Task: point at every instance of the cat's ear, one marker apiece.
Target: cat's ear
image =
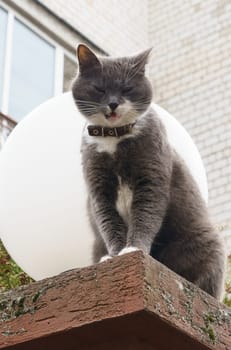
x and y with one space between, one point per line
87 59
140 60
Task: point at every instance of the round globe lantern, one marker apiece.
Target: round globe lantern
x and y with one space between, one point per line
43 216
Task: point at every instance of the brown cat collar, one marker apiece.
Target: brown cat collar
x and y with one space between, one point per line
97 130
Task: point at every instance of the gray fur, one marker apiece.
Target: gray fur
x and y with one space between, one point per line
168 217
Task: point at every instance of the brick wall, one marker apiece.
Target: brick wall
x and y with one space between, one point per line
191 72
119 27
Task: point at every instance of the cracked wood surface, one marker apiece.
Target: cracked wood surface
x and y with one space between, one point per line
128 302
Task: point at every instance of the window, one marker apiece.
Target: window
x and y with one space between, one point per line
32 71
33 68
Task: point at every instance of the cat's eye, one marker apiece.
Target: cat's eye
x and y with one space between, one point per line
127 89
99 89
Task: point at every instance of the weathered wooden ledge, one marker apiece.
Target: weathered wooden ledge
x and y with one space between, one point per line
129 302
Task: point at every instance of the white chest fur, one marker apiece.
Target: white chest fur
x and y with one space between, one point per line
107 144
124 201
104 144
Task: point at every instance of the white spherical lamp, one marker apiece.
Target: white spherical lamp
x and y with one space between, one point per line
43 216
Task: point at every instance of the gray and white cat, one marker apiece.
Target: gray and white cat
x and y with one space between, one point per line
141 194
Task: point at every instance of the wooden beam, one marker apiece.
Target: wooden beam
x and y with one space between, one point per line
128 302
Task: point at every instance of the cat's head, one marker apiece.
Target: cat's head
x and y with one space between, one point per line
111 91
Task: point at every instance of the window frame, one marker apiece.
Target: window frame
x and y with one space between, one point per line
59 55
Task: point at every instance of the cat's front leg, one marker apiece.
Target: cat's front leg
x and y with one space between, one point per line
150 201
110 226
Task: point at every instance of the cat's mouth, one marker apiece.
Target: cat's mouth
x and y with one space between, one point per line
112 116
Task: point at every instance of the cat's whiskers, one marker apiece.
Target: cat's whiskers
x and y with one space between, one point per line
141 102
140 106
87 101
89 111
88 107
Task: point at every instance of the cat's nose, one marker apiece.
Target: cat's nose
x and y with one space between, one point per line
113 105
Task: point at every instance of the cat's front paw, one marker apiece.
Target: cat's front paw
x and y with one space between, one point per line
105 258
127 250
